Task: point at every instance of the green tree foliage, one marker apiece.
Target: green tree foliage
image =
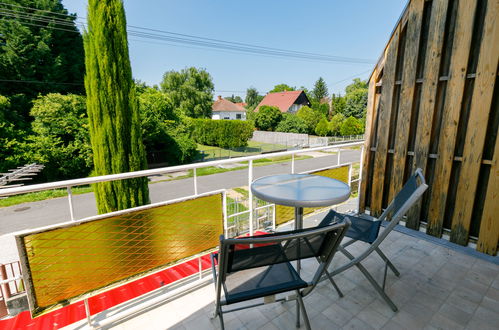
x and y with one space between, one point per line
252 98
335 124
10 137
282 88
190 90
320 90
291 124
337 104
60 138
222 133
322 128
267 118
351 126
30 52
112 107
322 108
356 98
234 99
164 131
311 118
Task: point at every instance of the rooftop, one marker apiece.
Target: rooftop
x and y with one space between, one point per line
282 100
222 104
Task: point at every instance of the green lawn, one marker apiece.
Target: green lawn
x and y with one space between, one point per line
253 148
42 195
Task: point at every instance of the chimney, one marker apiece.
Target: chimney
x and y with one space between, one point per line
219 97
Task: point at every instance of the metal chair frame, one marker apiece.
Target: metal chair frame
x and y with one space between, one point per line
374 246
332 244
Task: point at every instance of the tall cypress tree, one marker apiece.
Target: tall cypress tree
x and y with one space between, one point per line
112 108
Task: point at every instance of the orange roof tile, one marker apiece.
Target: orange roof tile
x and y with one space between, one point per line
225 105
282 100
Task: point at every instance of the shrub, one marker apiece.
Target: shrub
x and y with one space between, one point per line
322 127
291 124
221 133
335 124
267 118
351 126
310 117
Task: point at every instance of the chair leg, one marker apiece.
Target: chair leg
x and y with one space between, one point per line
304 311
371 280
388 262
221 319
334 284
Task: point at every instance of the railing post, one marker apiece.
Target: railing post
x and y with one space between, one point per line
273 217
250 196
200 267
5 287
87 313
339 155
70 200
350 175
293 164
224 207
195 182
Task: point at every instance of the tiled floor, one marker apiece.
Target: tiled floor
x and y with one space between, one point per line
439 288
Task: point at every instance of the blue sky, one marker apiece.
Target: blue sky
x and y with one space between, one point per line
358 29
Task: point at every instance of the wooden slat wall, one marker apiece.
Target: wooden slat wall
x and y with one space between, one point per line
438 110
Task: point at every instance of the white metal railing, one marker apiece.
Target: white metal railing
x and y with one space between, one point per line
68 184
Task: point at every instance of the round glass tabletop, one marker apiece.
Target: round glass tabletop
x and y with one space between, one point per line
300 190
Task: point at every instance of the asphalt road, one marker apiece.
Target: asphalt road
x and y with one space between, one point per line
52 211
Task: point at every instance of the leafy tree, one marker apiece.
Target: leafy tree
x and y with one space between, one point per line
234 99
322 108
356 98
252 98
190 90
311 117
282 88
320 90
267 118
335 124
351 126
33 53
10 137
322 127
60 141
291 124
222 133
337 104
112 108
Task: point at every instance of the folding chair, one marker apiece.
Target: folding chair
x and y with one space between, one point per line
367 229
260 266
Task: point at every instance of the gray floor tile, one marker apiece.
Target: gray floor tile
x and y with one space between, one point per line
357 324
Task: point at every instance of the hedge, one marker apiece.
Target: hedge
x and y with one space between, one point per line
222 133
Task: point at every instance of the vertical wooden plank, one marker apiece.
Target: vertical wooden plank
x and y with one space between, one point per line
489 227
385 109
407 94
451 111
428 95
475 133
370 117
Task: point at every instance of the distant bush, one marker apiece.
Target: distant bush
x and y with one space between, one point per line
291 124
335 124
322 127
222 133
267 118
351 126
311 118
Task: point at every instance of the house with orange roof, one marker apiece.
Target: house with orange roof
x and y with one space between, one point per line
289 101
225 109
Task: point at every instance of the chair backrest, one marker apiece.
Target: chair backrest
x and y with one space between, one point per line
238 254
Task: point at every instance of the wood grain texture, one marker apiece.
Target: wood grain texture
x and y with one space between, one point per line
370 118
475 133
413 36
428 96
385 109
489 227
450 117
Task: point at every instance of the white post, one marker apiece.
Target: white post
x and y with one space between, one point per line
70 200
195 182
360 177
273 217
200 268
339 155
293 164
250 196
87 313
350 174
224 208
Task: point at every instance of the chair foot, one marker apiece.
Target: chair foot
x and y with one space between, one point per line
334 284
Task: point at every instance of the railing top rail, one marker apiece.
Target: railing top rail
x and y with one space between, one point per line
163 170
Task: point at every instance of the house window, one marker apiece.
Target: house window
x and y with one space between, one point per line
226 118
238 116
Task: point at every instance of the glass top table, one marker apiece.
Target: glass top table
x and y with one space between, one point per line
299 191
